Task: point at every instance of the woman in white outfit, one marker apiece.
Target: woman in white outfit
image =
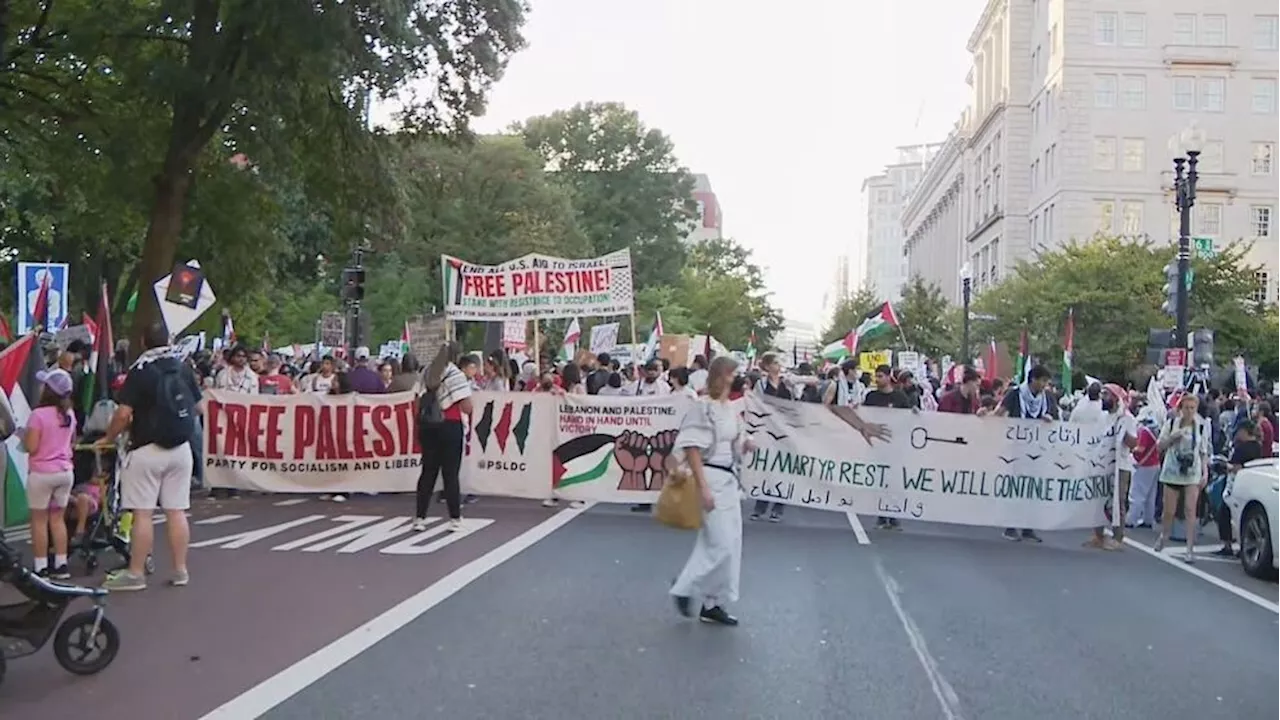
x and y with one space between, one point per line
713 438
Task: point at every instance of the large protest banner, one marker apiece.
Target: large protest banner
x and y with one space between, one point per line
613 449
538 286
936 467
933 467
311 443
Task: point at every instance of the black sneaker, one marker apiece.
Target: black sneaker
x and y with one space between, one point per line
643 508
756 516
45 573
62 572
1011 534
1225 552
717 615
1031 535
682 605
775 517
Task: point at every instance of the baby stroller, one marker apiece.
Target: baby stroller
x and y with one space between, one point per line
84 644
110 527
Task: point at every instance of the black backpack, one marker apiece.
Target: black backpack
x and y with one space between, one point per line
174 419
429 412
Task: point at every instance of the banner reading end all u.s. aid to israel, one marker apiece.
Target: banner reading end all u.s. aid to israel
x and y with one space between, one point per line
538 286
930 466
925 466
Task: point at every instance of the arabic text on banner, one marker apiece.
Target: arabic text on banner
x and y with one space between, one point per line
538 286
937 467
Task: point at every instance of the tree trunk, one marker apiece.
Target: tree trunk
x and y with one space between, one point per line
158 251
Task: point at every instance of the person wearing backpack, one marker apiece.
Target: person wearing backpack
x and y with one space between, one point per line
158 405
445 400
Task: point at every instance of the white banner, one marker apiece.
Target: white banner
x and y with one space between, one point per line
515 334
538 286
934 467
604 338
612 449
937 467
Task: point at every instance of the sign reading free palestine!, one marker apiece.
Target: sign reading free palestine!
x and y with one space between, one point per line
538 286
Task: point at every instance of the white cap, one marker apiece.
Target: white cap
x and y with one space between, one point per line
362 353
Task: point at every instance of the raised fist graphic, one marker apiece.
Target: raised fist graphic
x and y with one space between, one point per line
631 450
661 445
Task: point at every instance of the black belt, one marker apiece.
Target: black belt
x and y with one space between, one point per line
725 468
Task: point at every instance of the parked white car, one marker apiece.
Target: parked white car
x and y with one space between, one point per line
1253 499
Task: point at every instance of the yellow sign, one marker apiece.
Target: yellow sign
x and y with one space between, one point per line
869 361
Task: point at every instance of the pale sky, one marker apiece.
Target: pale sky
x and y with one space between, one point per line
787 107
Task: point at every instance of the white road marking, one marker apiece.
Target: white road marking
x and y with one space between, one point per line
218 520
858 531
1203 552
942 689
1176 561
290 502
273 691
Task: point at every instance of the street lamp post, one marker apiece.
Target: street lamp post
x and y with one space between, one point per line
1184 192
966 295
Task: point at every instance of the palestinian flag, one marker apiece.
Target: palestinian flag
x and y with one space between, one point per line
1068 347
655 339
6 332
582 460
505 428
19 364
97 381
876 322
1021 366
404 339
837 351
451 273
571 337
751 347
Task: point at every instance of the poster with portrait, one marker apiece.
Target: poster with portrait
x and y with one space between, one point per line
30 277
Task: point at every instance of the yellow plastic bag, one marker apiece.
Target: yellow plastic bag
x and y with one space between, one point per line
680 501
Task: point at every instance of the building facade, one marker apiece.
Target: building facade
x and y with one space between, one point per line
884 197
1072 129
933 218
710 221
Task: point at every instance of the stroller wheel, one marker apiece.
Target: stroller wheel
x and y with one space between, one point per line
149 565
80 654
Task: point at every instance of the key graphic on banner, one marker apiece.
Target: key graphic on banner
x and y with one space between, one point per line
604 338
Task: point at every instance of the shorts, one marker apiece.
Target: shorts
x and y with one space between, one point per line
152 475
49 489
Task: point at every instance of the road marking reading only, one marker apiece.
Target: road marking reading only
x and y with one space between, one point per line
351 534
273 691
1212 580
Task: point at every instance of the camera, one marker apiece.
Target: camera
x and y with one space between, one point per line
1185 462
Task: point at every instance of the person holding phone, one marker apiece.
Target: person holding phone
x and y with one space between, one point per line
1184 439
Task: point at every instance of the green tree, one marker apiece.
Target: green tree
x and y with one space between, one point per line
725 293
849 313
1115 288
928 322
627 187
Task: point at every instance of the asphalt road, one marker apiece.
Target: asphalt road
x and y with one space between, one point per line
546 614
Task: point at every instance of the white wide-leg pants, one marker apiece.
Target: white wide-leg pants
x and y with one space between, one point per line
715 565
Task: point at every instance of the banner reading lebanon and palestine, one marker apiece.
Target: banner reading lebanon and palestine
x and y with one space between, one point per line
934 467
538 286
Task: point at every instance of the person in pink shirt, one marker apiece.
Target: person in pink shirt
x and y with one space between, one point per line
50 432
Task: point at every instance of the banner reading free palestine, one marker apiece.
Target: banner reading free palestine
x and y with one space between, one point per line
538 286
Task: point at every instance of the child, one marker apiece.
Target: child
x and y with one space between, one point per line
86 498
50 431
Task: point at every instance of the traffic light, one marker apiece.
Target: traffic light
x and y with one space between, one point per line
353 284
1170 305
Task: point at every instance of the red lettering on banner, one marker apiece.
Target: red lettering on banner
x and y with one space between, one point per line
274 413
324 435
342 421
383 444
358 430
304 430
255 431
486 286
213 426
235 443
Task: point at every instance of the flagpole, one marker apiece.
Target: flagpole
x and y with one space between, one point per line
537 351
633 338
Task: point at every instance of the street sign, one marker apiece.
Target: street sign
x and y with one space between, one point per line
1204 248
1175 357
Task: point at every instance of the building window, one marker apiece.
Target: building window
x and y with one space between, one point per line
1211 157
1264 96
1213 30
1134 30
1135 92
1131 217
1263 280
1104 91
995 261
1266 32
1104 28
1213 94
1184 29
1184 93
1208 219
1135 151
1261 220
1263 158
1106 214
1104 153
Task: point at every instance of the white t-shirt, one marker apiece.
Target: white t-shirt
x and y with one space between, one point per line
657 387
687 391
698 381
243 380
1087 411
319 384
1126 425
